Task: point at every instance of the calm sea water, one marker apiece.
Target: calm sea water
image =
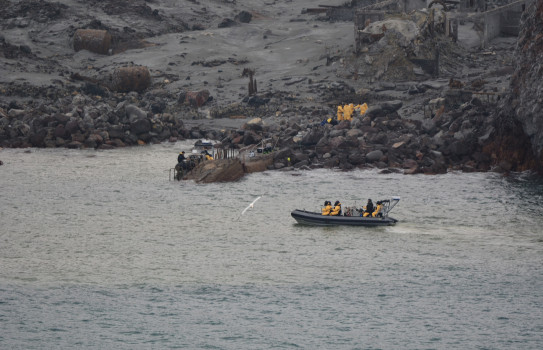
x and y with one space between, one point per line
100 250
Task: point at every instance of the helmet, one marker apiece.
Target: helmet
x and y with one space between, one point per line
336 203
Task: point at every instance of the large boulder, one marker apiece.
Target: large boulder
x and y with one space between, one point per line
382 109
134 113
244 17
140 126
526 89
374 156
219 170
312 137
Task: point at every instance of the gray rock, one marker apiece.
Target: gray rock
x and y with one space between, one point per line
140 126
15 113
428 125
313 136
374 156
134 113
244 17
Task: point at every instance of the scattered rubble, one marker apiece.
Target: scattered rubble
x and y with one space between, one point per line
432 101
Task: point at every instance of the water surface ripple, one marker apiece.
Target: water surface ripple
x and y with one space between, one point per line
101 250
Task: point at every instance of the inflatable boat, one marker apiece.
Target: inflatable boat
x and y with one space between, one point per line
350 217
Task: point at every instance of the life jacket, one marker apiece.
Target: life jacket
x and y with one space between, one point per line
337 210
326 210
348 111
363 108
339 113
377 210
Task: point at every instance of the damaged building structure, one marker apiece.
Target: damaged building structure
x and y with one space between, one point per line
423 31
490 19
424 28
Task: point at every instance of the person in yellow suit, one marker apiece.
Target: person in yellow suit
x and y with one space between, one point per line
327 208
348 111
362 108
377 211
337 209
339 113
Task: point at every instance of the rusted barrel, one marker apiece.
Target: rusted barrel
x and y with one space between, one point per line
134 78
94 40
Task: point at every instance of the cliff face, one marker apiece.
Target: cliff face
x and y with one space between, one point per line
523 108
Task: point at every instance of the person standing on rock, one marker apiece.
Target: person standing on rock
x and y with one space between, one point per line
362 108
339 113
348 111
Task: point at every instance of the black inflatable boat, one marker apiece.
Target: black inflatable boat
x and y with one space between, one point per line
351 217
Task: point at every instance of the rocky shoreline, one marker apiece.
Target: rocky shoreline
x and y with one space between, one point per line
425 124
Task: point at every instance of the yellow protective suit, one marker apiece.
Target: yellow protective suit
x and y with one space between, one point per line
326 210
348 111
209 157
377 210
362 108
337 210
339 113
366 214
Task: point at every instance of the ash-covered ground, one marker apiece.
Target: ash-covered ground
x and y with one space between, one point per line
304 65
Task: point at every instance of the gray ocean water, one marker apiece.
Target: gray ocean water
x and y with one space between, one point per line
98 249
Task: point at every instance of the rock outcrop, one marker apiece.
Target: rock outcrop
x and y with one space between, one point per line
52 96
219 170
518 141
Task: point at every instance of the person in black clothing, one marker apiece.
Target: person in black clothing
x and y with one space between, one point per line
181 157
369 208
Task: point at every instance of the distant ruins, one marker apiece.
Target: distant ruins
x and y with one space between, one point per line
491 18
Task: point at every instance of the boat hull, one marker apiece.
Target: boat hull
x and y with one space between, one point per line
316 219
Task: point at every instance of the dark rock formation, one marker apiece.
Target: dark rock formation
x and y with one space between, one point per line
244 17
460 132
518 139
220 170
